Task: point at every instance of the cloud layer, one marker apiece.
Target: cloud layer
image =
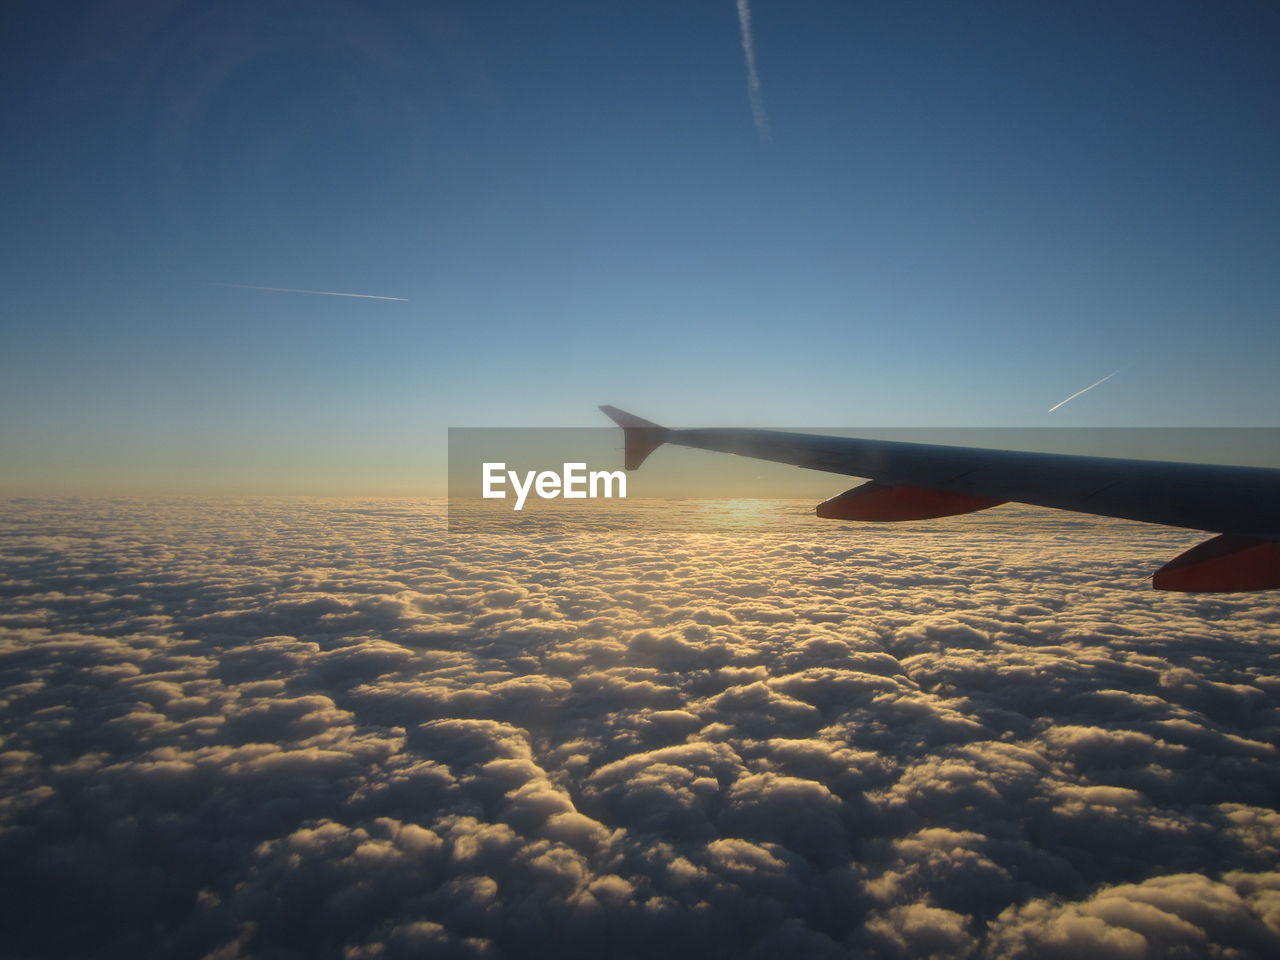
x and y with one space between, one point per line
284 728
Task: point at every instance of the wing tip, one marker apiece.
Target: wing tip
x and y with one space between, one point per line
624 419
640 436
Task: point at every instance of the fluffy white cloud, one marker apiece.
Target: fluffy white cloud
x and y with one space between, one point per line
325 729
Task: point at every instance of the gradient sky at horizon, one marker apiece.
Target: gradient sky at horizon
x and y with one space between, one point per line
964 214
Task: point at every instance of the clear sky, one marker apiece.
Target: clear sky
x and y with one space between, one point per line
959 214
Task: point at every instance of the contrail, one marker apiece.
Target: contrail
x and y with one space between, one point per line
753 78
321 293
1085 390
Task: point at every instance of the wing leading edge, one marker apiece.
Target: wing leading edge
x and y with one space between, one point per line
915 481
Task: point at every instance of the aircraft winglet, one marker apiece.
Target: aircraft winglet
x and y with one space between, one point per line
641 437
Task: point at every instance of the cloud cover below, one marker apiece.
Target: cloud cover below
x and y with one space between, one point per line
278 728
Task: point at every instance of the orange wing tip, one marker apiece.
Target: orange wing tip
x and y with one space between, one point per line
883 503
640 437
1227 563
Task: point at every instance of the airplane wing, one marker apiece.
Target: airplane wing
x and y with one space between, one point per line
917 481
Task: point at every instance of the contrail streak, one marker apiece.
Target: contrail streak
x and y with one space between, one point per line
320 293
1085 390
753 78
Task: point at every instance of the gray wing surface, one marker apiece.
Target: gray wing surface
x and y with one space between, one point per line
910 481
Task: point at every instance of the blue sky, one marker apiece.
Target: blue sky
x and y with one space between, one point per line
965 213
